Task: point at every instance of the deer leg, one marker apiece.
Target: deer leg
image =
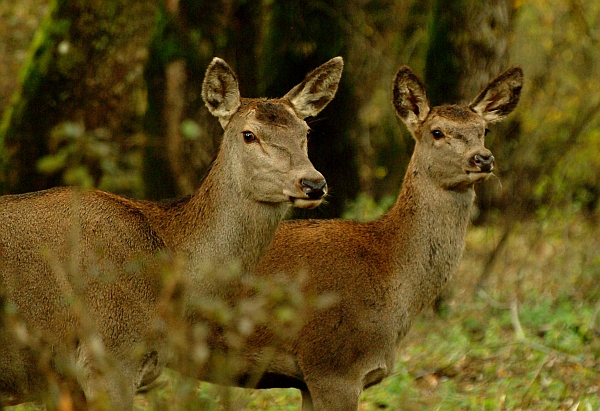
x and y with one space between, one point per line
106 392
307 404
110 388
70 397
331 394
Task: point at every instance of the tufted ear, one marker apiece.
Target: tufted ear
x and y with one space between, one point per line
317 90
500 97
410 98
220 91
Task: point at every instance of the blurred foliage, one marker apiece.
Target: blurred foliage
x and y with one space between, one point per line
92 159
554 159
365 208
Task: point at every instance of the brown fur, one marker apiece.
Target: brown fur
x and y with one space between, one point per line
86 276
381 273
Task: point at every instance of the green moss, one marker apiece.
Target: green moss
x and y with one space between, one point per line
33 72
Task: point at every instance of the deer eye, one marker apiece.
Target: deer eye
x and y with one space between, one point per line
437 134
249 137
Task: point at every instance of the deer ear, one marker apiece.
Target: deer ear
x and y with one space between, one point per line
410 98
500 97
220 91
317 90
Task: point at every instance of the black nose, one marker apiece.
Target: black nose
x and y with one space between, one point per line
483 162
313 189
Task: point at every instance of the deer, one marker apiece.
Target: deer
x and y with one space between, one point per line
83 273
380 274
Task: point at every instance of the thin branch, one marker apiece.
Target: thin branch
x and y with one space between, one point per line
521 338
487 268
481 293
514 318
551 351
592 325
534 379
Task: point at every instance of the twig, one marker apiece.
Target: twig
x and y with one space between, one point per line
520 333
481 293
487 268
592 325
514 318
551 351
533 380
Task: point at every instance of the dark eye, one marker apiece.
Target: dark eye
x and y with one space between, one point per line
437 134
487 131
249 137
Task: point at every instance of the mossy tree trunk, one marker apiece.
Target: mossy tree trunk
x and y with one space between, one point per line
469 46
183 136
85 66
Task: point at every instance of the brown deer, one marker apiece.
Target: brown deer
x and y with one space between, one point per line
383 272
82 273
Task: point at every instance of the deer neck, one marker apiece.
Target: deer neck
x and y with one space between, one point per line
430 225
221 227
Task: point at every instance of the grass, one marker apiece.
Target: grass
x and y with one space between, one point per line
530 342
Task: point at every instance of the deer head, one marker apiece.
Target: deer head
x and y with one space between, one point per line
450 139
265 141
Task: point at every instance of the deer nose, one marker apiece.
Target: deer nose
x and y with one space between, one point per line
314 189
483 161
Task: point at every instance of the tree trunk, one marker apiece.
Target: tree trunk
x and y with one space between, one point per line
190 34
85 66
469 47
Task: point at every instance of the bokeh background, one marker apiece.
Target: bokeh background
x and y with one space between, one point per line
106 93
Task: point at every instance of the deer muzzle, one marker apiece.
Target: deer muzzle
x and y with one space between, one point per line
484 162
314 189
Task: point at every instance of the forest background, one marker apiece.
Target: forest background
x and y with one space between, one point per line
106 93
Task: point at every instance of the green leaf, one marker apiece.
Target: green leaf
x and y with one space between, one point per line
53 162
190 129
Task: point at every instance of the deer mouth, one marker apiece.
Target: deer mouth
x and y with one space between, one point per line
306 197
308 203
478 175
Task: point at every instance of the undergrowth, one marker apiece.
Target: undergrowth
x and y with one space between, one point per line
526 338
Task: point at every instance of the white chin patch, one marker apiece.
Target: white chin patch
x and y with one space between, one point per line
306 202
481 176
